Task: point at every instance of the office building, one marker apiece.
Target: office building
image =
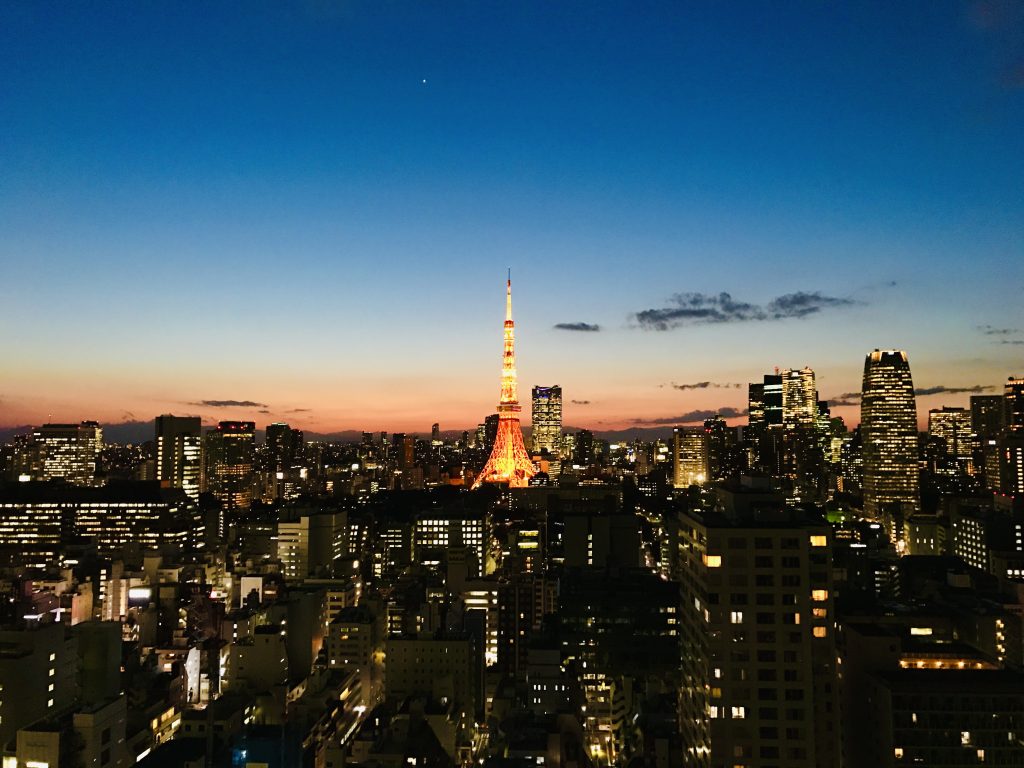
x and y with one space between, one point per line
799 397
229 451
689 456
1013 399
67 452
953 427
889 439
1011 463
547 419
284 446
39 520
988 415
179 453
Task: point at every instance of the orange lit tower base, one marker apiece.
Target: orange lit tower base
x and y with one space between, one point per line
509 462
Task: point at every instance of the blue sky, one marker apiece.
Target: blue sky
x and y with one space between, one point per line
311 205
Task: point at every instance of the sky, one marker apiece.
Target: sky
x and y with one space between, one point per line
304 211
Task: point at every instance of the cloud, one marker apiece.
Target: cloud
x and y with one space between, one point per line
707 309
702 385
299 410
942 390
1012 341
989 330
586 327
694 417
580 402
264 410
847 398
228 404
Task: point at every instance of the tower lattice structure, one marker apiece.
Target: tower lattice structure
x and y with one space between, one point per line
509 462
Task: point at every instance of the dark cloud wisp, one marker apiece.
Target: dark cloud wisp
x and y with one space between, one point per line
585 327
707 309
703 385
694 417
943 390
990 330
228 404
580 402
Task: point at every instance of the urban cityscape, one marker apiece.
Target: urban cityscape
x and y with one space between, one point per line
816 560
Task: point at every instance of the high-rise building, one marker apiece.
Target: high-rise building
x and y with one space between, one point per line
179 445
228 463
284 445
1011 463
764 423
509 462
689 456
952 426
799 397
988 415
547 419
435 435
67 452
888 414
1013 396
759 682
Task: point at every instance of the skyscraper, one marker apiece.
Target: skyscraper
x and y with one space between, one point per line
952 426
1013 396
888 422
988 415
509 461
689 456
799 397
547 419
284 444
67 451
228 463
179 453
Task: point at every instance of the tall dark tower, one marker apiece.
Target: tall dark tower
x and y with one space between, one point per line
509 461
888 424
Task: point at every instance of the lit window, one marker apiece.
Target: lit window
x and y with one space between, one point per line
819 595
736 617
819 541
965 738
739 713
820 632
899 752
713 561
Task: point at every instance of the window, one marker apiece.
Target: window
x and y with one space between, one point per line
736 617
819 595
738 713
820 632
819 541
713 561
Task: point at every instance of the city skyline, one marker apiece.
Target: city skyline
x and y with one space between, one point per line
295 233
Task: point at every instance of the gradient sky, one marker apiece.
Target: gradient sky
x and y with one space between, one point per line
311 205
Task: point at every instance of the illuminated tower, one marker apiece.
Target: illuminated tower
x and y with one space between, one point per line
509 461
888 425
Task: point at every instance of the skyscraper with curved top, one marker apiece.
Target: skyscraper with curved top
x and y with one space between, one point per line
888 425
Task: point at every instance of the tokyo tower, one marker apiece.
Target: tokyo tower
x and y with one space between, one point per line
509 461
